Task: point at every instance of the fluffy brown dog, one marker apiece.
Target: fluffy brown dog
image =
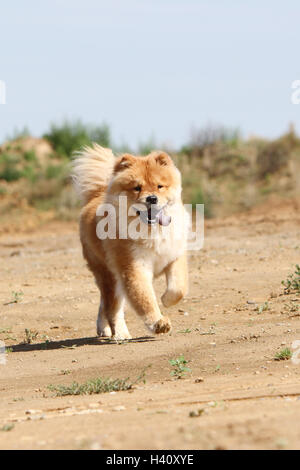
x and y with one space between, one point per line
124 266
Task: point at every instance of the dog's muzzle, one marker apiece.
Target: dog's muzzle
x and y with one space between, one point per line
154 215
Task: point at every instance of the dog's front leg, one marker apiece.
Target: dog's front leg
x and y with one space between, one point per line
177 281
138 288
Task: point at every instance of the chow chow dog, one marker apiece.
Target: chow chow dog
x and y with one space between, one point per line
124 266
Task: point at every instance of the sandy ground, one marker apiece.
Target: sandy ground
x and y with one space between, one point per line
247 400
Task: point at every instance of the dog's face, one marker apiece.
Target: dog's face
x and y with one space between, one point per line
152 182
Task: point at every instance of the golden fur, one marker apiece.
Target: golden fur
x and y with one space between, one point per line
125 268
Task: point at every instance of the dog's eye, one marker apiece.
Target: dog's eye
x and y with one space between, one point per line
160 186
138 188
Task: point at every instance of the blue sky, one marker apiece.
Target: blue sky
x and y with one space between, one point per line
150 67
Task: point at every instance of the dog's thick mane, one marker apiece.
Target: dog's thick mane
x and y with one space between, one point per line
92 169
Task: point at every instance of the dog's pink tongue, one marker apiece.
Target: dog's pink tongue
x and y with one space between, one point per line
164 219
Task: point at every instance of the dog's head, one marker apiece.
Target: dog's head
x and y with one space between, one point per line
152 182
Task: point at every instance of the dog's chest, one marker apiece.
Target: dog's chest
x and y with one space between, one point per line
164 252
167 244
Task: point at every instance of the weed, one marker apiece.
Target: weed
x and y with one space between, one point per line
96 386
16 297
292 283
283 355
180 367
7 427
187 330
262 308
30 336
5 330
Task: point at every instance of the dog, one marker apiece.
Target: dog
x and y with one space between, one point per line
124 267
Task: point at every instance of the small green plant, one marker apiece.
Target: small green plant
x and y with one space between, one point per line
7 427
17 297
283 355
187 330
96 386
5 330
263 307
30 336
292 283
179 367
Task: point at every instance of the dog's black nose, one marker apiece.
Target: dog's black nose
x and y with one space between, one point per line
151 199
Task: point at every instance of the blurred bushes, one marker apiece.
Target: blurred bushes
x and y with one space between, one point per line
8 167
219 168
275 156
71 136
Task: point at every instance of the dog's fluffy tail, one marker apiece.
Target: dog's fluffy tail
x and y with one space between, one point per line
92 169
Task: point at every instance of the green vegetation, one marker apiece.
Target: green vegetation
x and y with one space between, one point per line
16 297
96 386
220 168
71 136
292 283
263 307
179 367
283 355
7 427
8 167
30 336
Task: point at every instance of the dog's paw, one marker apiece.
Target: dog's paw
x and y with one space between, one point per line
162 326
104 331
120 331
103 328
121 337
121 334
172 297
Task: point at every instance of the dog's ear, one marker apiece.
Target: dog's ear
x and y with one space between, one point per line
123 162
163 159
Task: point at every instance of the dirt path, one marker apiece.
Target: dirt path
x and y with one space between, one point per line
247 400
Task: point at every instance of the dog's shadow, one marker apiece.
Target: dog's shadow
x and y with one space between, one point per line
74 343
